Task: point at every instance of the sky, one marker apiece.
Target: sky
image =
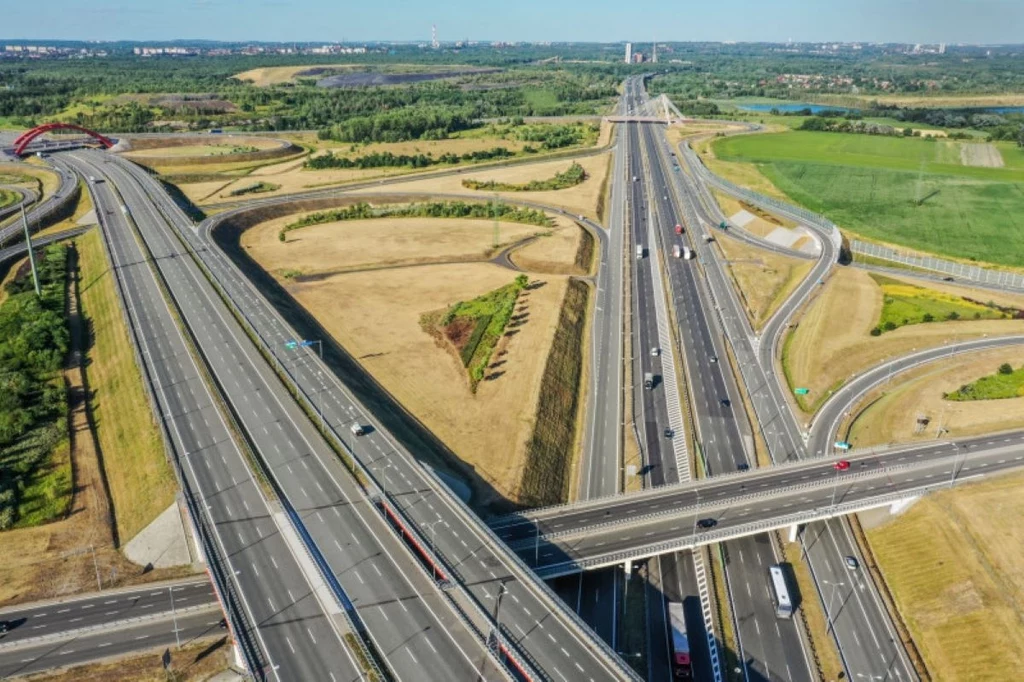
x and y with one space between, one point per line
904 21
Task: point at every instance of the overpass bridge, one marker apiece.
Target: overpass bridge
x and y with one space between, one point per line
623 528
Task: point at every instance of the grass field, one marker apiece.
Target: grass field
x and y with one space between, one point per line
581 199
904 303
196 661
954 567
890 413
911 191
31 175
140 479
763 278
8 198
1005 383
547 476
555 253
386 242
833 341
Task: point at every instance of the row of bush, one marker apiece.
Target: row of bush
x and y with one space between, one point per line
33 402
390 160
432 209
568 178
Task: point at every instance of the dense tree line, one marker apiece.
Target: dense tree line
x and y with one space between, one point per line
571 177
33 342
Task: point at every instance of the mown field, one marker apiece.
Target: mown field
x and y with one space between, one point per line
912 192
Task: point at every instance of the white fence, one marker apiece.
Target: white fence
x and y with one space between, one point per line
963 271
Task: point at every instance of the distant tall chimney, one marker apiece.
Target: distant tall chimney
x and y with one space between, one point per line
654 53
433 37
629 53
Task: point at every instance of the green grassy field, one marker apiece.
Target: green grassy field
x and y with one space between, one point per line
905 304
993 387
7 198
912 191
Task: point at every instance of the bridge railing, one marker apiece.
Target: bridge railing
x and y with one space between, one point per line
690 541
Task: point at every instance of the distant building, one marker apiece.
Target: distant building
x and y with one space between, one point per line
629 53
638 57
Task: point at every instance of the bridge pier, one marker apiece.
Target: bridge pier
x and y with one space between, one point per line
900 506
794 530
628 567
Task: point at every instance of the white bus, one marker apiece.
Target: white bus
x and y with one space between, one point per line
780 592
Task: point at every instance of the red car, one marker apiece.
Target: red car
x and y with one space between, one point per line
679 229
841 465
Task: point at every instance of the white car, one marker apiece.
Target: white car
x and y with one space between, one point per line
357 429
655 351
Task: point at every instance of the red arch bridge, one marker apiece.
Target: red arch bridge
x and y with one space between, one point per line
22 141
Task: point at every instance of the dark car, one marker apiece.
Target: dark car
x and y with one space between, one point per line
725 402
707 523
743 466
948 279
669 433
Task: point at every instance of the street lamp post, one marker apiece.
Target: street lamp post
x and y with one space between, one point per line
828 609
174 615
696 514
433 546
956 456
536 545
384 478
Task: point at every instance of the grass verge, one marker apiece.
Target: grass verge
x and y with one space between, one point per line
570 177
547 473
904 304
141 482
1005 383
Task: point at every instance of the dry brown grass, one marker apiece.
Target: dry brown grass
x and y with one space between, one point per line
376 317
833 340
954 567
763 278
890 416
762 225
276 75
47 177
387 242
580 199
743 174
195 661
554 253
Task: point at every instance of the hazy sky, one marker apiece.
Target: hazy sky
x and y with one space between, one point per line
911 21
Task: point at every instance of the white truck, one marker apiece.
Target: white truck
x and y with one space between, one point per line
639 251
687 253
677 251
357 429
682 668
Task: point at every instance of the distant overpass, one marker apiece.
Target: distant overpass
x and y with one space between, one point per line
620 529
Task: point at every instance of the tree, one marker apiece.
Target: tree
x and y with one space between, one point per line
1005 368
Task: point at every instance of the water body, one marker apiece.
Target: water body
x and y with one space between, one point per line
818 108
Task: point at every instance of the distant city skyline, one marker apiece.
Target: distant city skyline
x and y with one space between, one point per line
641 21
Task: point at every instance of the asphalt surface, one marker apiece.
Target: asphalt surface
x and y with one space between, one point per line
20 249
14 230
408 620
530 615
57 618
27 197
770 648
282 613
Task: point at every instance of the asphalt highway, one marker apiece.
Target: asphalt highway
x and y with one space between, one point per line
282 613
41 209
530 615
407 619
16 250
157 635
57 618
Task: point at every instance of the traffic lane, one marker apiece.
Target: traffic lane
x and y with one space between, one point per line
852 607
772 647
825 427
155 637
680 584
763 481
340 408
92 610
598 601
286 629
595 542
374 596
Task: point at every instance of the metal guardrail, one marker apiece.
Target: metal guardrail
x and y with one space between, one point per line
100 627
972 273
236 615
690 542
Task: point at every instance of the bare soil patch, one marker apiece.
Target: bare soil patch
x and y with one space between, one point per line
980 154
